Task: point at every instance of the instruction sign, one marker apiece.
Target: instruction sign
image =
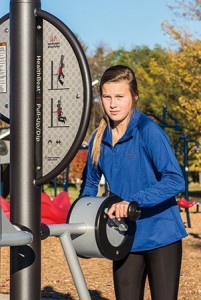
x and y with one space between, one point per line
60 96
63 93
4 69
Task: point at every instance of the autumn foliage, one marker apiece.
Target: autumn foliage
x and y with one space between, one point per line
77 166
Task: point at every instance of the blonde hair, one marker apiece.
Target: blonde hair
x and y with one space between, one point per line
113 74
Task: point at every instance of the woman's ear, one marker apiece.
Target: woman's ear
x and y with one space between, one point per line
134 101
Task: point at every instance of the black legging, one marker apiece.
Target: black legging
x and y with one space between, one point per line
162 266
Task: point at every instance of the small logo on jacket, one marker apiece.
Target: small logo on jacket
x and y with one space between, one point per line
130 156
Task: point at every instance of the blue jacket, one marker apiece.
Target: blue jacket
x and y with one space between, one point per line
141 167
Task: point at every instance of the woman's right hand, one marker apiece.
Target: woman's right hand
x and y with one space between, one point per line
118 210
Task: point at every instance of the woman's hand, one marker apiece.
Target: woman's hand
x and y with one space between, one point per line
118 210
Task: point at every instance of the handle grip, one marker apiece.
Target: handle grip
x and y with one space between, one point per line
134 211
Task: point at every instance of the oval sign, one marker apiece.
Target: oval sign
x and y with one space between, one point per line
63 96
63 93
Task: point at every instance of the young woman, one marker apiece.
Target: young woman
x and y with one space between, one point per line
135 156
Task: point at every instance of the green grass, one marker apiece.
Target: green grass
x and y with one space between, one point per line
72 191
195 188
195 192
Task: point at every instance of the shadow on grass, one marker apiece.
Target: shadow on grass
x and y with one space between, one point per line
49 292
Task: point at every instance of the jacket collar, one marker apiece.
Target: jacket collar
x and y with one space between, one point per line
107 136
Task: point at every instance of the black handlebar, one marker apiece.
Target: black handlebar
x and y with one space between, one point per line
134 211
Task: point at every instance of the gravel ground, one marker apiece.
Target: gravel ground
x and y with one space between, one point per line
57 282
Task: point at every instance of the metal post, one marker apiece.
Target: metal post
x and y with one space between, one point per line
66 179
185 150
186 194
25 279
74 266
55 186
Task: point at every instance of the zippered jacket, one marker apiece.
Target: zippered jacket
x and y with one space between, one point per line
142 167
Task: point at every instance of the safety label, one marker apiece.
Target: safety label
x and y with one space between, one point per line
3 68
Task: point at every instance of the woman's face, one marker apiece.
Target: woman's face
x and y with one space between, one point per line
117 101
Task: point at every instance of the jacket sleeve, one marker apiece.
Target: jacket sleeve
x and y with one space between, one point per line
91 176
161 155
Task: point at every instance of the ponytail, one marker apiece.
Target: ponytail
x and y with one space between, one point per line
97 141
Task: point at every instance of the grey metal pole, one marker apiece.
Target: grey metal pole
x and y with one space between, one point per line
74 266
25 277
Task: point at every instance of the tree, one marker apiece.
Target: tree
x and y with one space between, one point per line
188 9
151 68
97 63
187 73
169 77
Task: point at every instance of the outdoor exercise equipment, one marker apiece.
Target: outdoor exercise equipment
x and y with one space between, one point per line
45 95
104 237
40 148
13 235
90 233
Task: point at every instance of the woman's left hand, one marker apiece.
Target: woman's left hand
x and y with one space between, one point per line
118 210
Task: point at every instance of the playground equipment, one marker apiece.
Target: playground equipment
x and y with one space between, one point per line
99 236
32 43
183 203
183 140
12 235
92 234
53 211
108 238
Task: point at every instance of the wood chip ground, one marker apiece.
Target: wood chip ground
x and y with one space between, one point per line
57 282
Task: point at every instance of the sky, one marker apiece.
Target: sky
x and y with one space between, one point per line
115 23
